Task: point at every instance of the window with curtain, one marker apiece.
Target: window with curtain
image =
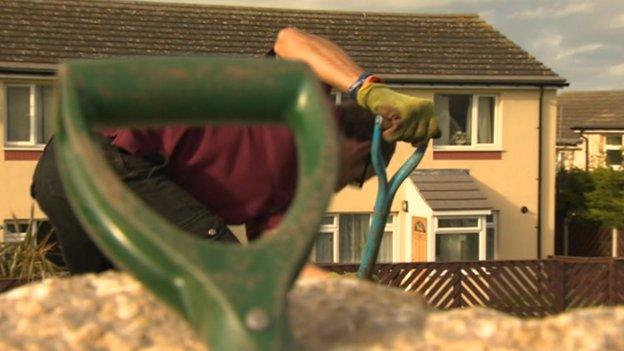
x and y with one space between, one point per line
352 233
385 250
342 238
466 120
18 113
28 114
485 120
43 110
324 246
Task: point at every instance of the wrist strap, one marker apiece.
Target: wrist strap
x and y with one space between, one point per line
364 79
355 87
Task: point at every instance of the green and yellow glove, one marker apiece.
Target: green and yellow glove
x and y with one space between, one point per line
406 118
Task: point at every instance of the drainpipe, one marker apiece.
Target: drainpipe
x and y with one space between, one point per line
539 174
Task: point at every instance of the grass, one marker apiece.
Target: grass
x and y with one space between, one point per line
27 260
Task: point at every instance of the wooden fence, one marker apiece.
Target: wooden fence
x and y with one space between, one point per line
589 240
528 288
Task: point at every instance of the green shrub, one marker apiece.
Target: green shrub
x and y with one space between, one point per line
595 196
606 201
572 187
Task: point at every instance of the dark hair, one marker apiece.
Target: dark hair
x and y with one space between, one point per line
356 122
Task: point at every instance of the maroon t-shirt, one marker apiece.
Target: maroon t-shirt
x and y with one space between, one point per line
244 174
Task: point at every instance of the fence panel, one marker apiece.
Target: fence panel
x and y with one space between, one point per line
586 284
589 240
526 288
522 288
617 282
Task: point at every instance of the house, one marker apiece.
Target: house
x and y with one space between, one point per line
494 164
590 129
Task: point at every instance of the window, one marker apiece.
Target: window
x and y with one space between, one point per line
385 250
462 222
15 230
466 121
339 97
342 238
613 151
457 247
324 247
615 140
28 114
465 238
490 230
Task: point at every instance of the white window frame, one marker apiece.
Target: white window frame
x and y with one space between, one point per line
35 126
496 145
334 229
19 236
393 227
480 230
493 225
337 95
329 228
608 147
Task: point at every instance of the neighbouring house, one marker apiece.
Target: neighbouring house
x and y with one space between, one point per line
485 189
590 134
590 129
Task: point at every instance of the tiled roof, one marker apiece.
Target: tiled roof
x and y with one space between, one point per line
449 189
398 46
589 110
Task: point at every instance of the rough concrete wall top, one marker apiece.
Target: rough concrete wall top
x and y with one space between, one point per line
113 312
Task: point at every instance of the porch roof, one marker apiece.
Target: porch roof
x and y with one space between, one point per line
450 190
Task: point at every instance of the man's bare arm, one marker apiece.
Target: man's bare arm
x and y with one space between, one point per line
329 62
406 118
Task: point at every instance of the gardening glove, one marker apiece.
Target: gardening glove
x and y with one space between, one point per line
406 118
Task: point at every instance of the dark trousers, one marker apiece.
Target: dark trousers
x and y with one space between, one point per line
145 176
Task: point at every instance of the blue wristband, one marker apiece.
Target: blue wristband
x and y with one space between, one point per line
355 87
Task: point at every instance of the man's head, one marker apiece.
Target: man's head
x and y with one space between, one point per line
356 127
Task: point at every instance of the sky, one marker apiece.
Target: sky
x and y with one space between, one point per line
582 41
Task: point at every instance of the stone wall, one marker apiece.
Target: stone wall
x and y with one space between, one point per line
112 311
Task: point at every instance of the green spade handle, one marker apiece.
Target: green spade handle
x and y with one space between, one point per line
233 296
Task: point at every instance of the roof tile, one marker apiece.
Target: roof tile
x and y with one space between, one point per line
449 189
589 110
49 31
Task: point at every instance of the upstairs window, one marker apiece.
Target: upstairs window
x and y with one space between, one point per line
467 121
613 151
28 114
